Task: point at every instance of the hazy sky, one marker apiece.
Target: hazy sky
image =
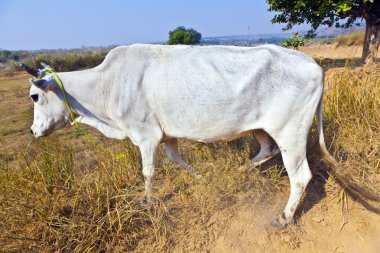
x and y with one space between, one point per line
43 24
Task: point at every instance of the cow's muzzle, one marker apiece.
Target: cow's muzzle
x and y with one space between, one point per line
36 131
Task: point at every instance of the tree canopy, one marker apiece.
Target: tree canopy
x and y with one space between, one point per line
181 35
338 13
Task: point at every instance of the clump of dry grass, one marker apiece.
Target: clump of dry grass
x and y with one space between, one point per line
352 107
350 39
47 205
46 208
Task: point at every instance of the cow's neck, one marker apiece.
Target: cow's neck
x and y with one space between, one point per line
87 94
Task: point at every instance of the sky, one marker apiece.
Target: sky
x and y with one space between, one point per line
53 24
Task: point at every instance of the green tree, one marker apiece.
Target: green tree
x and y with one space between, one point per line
338 13
295 42
181 35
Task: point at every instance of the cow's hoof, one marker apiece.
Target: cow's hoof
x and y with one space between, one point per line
197 176
277 224
145 202
247 167
194 172
142 202
280 222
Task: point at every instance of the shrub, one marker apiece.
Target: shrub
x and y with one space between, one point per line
294 42
181 35
69 62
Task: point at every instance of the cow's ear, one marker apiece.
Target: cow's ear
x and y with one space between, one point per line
42 84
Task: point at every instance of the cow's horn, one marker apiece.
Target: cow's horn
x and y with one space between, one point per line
33 71
45 66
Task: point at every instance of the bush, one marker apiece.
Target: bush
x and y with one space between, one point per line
70 62
181 35
60 60
294 42
6 55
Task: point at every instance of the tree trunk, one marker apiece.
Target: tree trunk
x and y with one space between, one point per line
371 39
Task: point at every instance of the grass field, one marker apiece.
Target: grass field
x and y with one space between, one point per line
60 194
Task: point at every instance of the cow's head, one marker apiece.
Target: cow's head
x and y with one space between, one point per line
50 112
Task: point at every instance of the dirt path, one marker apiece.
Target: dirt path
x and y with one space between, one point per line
324 228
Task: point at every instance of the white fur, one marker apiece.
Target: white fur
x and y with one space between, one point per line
153 93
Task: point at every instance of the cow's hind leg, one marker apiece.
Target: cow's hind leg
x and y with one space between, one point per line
268 148
171 148
293 151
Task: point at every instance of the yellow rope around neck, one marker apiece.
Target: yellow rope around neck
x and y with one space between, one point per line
88 137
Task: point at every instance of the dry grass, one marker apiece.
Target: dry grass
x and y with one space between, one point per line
352 110
345 50
355 38
334 56
60 195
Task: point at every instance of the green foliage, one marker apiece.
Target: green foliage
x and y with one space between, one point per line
6 55
338 13
181 35
271 40
295 42
70 62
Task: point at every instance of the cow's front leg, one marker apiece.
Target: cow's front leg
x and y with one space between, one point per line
148 155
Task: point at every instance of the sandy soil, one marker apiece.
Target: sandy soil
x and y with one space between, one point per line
324 228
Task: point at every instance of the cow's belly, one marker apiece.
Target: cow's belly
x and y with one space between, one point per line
220 124
216 136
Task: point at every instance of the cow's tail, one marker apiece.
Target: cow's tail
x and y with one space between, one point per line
352 188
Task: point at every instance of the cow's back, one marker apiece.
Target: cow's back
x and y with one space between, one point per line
216 92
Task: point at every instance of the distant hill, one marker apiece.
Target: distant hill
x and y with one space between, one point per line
273 38
246 40
332 32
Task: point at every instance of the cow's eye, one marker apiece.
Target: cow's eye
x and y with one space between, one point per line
34 97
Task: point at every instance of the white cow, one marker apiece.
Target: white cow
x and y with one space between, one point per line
152 94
